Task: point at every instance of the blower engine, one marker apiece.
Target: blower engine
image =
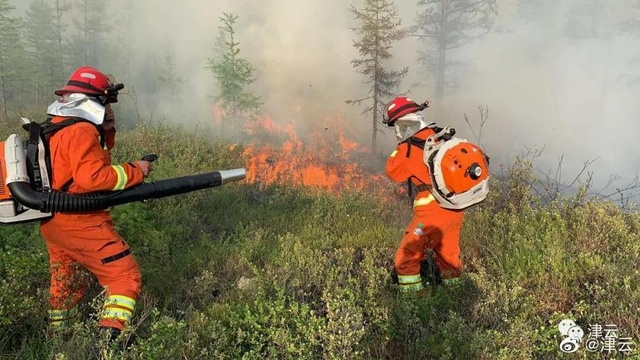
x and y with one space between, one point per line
459 170
21 202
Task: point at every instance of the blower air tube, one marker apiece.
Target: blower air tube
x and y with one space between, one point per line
56 201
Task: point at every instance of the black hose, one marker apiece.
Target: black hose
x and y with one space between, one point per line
56 201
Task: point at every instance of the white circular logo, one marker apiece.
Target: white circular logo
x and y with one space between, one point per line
565 325
573 335
569 345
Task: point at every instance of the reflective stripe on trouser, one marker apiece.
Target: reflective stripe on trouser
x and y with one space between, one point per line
101 250
118 307
409 283
61 318
435 228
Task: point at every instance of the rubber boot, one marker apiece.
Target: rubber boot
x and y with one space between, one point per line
394 276
430 272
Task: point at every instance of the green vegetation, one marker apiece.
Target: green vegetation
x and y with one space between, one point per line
243 271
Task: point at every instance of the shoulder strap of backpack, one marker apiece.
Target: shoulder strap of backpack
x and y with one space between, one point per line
414 141
37 154
413 189
49 128
38 149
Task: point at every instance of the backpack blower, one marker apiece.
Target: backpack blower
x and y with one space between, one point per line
22 201
459 170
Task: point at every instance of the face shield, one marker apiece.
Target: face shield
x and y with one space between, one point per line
410 124
78 105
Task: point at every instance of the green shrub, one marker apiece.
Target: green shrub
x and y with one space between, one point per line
281 271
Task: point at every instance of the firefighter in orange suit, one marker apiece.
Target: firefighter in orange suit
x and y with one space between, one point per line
81 163
432 226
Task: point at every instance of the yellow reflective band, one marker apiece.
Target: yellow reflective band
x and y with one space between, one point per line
409 279
62 318
120 314
122 177
393 154
55 315
424 201
413 287
120 300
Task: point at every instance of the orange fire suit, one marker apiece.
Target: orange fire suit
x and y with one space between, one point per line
89 239
432 226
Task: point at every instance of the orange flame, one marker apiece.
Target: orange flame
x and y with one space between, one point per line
324 161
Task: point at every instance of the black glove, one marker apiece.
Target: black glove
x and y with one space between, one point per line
150 157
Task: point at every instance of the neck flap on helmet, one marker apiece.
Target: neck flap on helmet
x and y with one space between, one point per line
410 124
78 105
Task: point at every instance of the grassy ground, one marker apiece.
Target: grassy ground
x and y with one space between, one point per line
244 271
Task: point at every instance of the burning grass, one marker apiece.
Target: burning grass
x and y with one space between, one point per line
325 160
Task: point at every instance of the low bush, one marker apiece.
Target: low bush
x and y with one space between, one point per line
278 271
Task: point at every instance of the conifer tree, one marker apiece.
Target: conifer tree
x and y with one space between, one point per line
537 11
123 35
588 19
9 50
91 25
446 25
379 28
42 50
233 73
169 78
60 7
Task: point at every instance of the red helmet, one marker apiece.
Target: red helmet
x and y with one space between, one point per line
399 107
91 81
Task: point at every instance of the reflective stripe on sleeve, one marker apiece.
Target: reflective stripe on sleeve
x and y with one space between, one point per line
393 154
122 177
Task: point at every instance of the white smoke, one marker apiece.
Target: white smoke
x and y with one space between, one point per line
543 89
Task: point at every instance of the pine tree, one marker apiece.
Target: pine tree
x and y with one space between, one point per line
60 7
42 50
88 45
588 19
9 49
537 11
446 25
169 78
232 73
122 40
631 25
379 29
